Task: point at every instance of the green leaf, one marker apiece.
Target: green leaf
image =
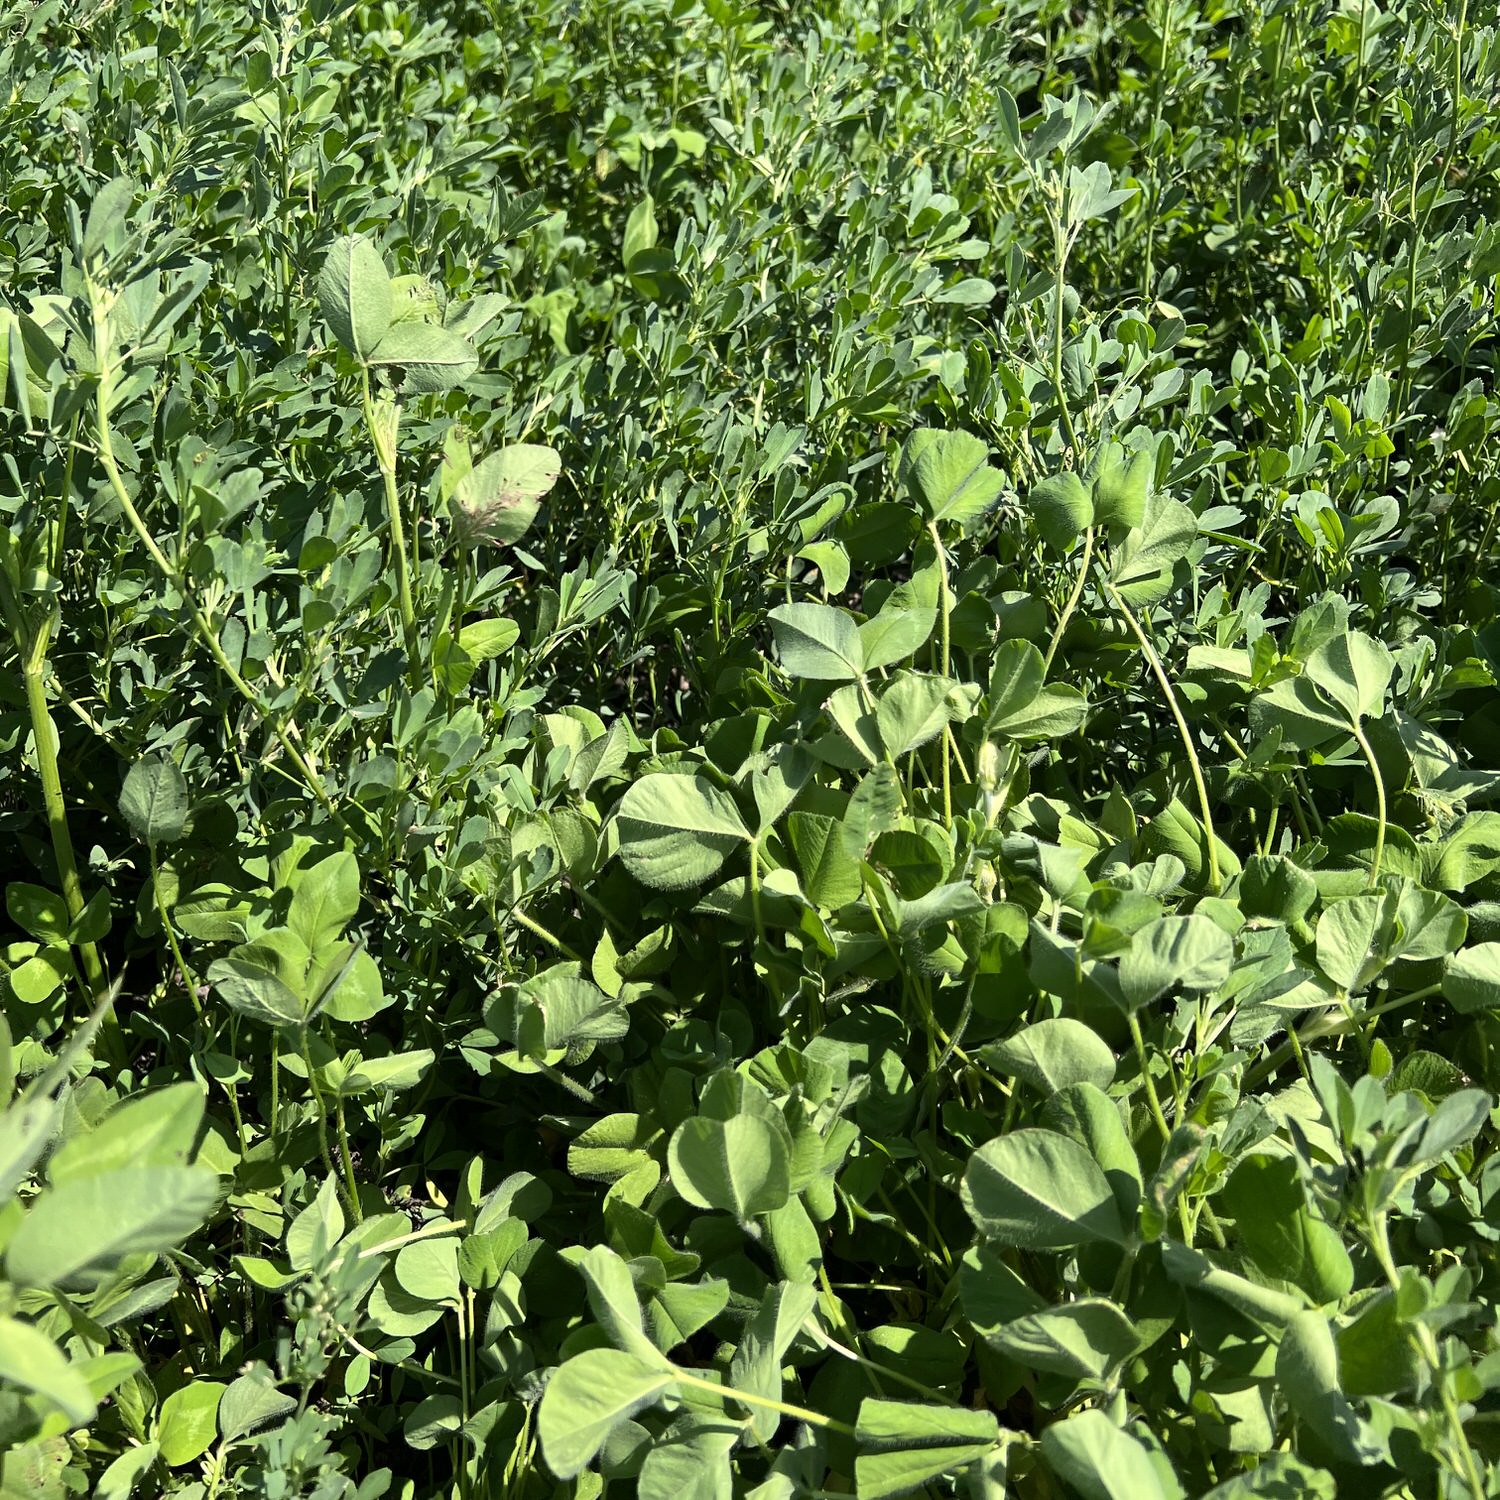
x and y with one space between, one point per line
559 1007
1192 953
691 1459
1349 936
1175 831
1277 1476
904 1444
587 1397
895 635
1102 1461
434 1420
154 800
914 707
1353 671
254 991
79 1229
1264 1305
110 207
830 871
120 1480
1145 562
485 639
428 1270
41 913
317 1228
1471 978
676 831
388 1074
1061 508
155 1129
1121 482
1086 1114
1021 707
432 358
496 501
189 1422
1283 1239
1084 1340
761 1352
1307 1372
29 1359
252 1402
325 900
354 295
741 1165
948 474
641 231
1038 1189
617 1309
1054 1054
1303 715
817 642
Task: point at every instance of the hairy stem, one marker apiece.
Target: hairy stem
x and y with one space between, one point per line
1165 682
174 576
385 457
1072 604
1380 807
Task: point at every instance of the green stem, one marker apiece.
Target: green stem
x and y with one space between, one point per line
322 1110
105 445
1424 1342
760 926
1154 661
1153 1099
1072 604
532 925
1060 245
347 1158
1380 808
386 459
44 736
770 1403
1326 1024
185 973
944 654
1159 89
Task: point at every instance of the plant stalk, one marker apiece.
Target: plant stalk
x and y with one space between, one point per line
385 457
1154 661
1380 807
44 736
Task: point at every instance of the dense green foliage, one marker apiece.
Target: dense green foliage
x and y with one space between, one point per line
747 749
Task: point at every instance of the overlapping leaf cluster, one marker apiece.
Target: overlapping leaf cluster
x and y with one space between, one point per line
750 750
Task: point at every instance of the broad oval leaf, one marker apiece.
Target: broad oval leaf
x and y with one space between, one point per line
433 358
1084 1340
189 1422
79 1229
1188 953
29 1359
741 1165
497 500
817 642
949 474
587 1397
1471 979
1054 1054
1038 1189
676 831
1353 670
354 294
1102 1461
154 800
